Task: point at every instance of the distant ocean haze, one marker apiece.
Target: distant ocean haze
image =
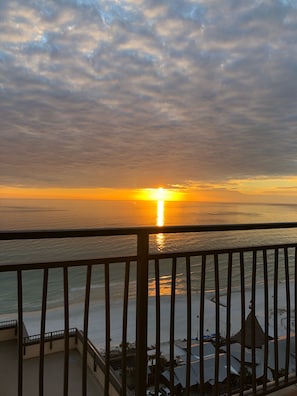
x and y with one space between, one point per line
61 214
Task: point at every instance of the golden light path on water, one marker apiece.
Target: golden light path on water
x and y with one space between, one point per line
160 213
160 238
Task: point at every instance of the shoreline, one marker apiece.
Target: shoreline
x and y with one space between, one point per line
96 332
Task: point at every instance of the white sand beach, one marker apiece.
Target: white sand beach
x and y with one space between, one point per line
96 332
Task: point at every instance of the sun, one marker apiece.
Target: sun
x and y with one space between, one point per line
159 194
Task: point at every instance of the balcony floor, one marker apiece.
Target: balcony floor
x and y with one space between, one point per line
289 391
53 373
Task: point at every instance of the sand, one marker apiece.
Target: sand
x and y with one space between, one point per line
96 332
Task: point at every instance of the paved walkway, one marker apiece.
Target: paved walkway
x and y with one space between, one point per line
53 374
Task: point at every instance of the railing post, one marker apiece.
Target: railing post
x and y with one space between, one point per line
141 312
20 332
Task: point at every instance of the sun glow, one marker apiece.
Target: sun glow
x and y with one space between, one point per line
144 194
159 194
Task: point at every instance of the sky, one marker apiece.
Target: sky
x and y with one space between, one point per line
105 98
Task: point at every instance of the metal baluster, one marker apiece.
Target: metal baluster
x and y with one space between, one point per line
66 330
20 332
158 327
201 323
86 327
242 353
217 321
275 315
189 325
125 324
266 316
141 312
295 316
107 330
228 318
42 332
172 324
253 312
288 308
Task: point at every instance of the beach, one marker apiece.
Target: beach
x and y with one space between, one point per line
96 331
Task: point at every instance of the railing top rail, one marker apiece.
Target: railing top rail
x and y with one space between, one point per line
8 324
152 256
48 336
95 232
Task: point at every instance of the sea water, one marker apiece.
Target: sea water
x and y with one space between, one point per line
75 214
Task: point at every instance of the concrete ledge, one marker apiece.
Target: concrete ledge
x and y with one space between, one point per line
52 346
8 330
8 334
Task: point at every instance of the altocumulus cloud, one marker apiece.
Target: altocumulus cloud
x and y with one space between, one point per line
136 92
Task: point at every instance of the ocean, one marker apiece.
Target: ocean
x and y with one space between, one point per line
73 214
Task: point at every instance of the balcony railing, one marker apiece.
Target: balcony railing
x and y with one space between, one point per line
246 294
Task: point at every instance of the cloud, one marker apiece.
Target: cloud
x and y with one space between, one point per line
135 93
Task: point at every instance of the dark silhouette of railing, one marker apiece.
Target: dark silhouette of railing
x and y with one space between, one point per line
273 260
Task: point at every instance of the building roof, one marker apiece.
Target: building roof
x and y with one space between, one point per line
180 372
208 350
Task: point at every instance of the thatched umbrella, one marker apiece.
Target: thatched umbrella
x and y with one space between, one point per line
254 335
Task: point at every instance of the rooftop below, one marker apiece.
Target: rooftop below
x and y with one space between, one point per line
53 373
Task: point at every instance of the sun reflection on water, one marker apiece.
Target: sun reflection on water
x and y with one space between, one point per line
160 238
165 285
160 213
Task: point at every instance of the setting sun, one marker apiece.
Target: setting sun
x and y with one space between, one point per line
159 194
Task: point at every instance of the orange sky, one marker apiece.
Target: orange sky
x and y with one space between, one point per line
90 193
256 190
